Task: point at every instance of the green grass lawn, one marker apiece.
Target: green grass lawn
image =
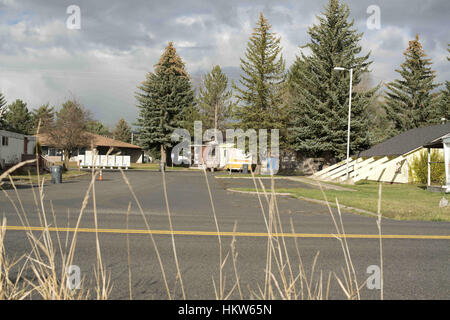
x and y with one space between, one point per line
72 164
399 201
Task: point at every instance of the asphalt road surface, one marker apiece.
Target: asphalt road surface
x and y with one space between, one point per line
414 267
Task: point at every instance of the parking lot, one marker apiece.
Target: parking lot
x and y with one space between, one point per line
413 268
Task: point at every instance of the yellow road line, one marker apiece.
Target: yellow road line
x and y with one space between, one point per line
236 234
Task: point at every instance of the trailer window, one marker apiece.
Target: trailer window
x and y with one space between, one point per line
4 141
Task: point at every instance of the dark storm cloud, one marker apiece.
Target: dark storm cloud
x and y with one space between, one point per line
120 41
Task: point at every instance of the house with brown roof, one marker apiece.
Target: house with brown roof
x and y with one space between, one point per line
102 146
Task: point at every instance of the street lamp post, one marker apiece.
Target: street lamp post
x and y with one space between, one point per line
349 114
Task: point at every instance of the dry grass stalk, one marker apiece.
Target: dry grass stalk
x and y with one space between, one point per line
287 285
220 292
161 265
280 279
381 241
179 277
48 282
103 287
129 255
9 289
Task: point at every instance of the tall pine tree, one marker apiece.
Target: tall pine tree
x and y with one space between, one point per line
444 103
2 111
96 127
122 131
45 115
214 100
166 101
410 102
18 118
319 94
260 91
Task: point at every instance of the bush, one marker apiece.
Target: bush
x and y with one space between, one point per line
418 168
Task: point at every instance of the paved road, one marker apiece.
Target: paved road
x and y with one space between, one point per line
413 268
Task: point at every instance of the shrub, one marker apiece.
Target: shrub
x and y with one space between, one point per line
418 168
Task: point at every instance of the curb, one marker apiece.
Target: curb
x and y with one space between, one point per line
26 181
324 185
263 193
322 202
234 177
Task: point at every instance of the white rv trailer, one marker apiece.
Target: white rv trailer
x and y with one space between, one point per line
225 156
14 146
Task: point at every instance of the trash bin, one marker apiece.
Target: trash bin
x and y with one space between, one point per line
56 174
245 168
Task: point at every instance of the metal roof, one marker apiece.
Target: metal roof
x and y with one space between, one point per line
408 141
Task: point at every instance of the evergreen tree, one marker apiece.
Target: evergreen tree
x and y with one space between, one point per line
214 100
122 132
45 114
319 94
444 104
18 118
260 92
190 115
96 127
379 126
3 109
166 102
410 102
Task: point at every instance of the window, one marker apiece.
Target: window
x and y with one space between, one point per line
4 141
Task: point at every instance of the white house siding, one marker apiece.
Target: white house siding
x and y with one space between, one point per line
394 173
11 153
394 169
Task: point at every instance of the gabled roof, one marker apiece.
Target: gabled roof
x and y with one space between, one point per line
97 140
408 141
437 143
101 141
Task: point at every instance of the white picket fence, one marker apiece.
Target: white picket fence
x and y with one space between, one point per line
89 160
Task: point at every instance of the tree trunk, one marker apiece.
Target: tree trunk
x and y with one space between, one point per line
216 115
66 154
163 158
216 120
169 162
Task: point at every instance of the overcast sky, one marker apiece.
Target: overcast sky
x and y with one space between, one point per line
41 60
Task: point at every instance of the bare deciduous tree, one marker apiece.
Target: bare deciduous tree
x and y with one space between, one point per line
68 131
